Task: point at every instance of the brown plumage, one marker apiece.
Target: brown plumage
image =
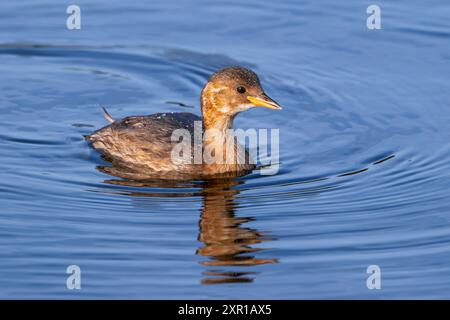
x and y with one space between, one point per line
143 144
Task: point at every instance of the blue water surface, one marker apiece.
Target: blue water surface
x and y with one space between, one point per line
364 150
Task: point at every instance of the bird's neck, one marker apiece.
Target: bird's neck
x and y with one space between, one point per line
216 129
215 115
219 141
218 122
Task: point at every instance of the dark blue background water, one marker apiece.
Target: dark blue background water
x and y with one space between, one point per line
353 97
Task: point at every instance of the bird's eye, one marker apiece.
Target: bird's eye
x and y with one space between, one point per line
240 89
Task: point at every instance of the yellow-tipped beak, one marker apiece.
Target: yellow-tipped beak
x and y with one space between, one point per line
265 102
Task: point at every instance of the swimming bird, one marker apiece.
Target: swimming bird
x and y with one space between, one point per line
146 143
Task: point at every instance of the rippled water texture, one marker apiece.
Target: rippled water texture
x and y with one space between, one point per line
364 151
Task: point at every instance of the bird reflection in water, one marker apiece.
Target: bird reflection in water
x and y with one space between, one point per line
226 243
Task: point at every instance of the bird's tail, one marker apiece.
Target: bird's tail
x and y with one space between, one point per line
107 115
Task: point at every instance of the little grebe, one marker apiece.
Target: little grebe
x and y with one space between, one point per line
145 143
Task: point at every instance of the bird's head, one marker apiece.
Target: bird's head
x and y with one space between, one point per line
229 91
